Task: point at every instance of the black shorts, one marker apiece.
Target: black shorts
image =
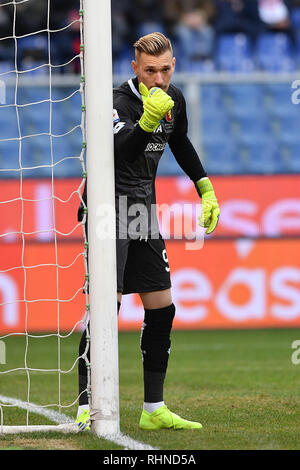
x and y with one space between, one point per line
142 266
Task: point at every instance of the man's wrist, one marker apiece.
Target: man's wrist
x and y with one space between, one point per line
146 125
203 186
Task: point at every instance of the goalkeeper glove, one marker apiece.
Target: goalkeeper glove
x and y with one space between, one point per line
156 105
210 210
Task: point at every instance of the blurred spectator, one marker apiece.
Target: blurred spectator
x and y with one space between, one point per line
120 26
174 9
293 4
6 45
65 42
294 8
195 36
5 23
238 16
145 16
275 15
59 11
34 17
31 16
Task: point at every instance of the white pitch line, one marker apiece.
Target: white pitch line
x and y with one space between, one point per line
59 418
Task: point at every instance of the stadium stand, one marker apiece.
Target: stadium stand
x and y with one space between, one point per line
244 128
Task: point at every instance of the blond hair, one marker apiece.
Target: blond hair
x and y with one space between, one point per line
153 44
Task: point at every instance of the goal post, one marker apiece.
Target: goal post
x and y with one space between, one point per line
101 213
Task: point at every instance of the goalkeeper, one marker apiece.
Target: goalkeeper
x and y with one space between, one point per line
149 113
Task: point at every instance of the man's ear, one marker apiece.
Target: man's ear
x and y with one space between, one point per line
134 66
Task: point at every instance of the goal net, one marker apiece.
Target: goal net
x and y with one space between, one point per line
43 271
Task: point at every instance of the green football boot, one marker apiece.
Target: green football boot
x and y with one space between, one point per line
83 421
163 418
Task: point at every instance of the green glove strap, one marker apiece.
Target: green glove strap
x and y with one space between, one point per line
210 210
156 105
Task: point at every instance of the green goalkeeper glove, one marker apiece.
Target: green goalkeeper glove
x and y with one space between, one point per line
210 210
156 105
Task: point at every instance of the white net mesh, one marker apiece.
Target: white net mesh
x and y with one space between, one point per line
42 172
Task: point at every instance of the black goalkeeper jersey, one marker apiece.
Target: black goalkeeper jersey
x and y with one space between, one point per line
137 154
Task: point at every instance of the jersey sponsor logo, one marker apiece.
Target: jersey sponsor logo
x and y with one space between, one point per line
115 116
118 127
155 147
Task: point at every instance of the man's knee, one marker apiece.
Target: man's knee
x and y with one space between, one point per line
156 299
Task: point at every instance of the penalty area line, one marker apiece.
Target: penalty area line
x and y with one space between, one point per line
59 418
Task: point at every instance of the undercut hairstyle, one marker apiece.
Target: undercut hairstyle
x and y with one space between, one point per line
153 44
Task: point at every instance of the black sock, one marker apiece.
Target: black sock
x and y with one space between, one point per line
82 367
155 347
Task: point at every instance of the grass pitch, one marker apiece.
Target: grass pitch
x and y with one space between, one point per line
241 385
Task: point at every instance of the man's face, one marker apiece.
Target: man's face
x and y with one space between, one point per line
154 71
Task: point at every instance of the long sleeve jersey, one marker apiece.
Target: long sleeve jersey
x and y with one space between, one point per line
137 154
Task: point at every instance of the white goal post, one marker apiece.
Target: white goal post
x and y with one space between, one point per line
101 203
97 105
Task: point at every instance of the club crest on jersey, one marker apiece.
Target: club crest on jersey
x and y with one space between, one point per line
169 116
